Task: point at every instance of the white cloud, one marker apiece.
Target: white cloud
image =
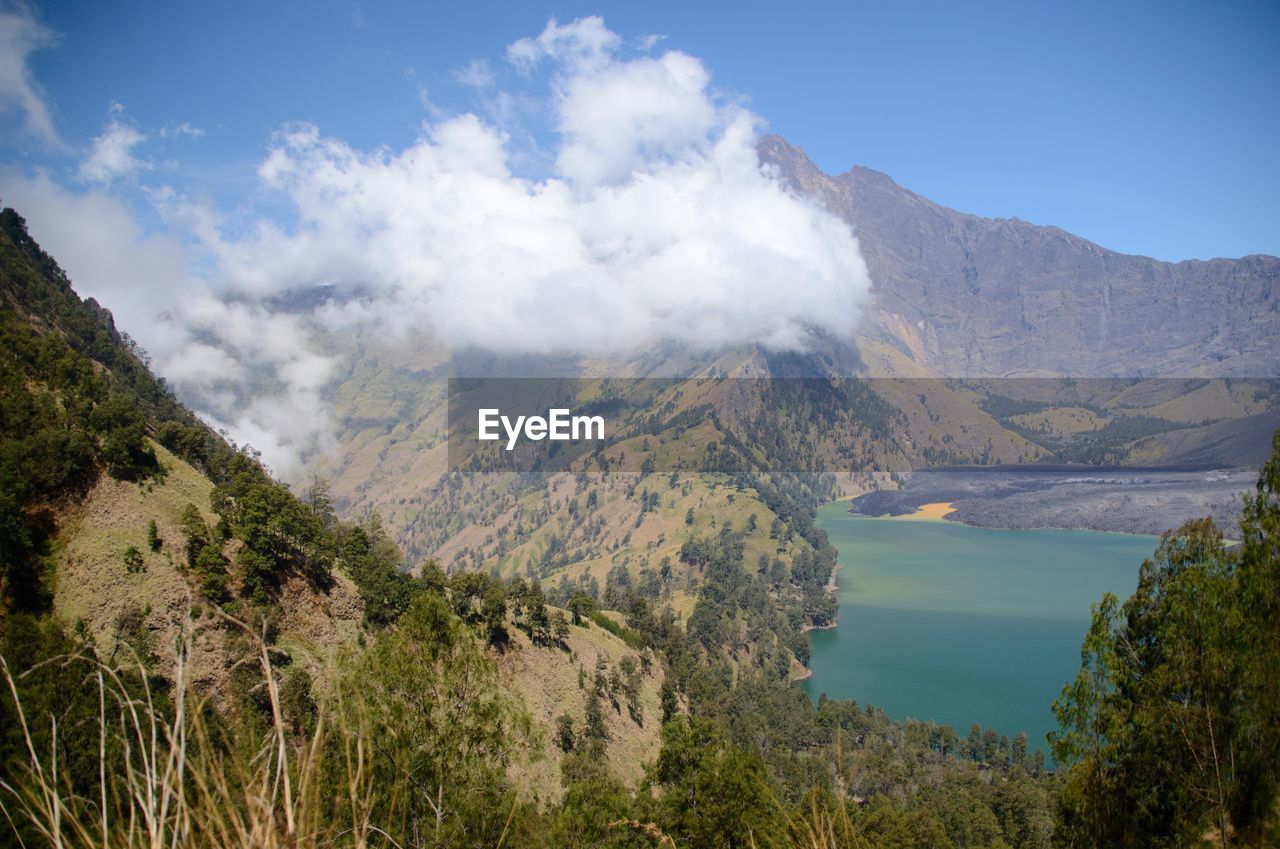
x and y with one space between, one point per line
181 129
706 251
433 111
20 36
661 226
253 372
631 116
657 225
581 46
112 154
647 42
240 365
95 237
475 74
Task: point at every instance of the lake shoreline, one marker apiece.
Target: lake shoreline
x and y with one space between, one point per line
833 587
935 635
928 513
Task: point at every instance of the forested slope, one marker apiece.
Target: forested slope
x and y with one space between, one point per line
310 693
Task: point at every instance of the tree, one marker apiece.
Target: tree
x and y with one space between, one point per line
319 499
133 559
580 606
124 446
284 535
559 628
566 739
440 727
972 746
629 673
538 619
667 699
1022 808
373 562
493 611
1019 753
1164 724
715 794
467 592
211 568
595 733
1258 768
593 801
195 531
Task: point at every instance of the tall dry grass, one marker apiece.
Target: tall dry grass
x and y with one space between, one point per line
169 777
823 823
172 781
820 823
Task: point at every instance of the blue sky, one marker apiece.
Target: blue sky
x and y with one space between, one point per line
1149 128
481 176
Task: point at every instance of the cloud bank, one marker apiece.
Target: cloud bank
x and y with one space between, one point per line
21 34
112 154
652 223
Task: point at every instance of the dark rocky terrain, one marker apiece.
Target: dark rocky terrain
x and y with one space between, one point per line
1125 500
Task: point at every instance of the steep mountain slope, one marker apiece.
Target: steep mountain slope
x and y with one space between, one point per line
123 518
970 296
556 681
113 516
116 599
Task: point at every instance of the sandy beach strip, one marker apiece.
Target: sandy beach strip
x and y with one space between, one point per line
936 511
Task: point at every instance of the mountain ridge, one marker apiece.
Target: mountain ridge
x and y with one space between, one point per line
773 147
969 296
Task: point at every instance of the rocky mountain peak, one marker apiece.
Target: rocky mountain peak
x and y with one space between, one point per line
965 295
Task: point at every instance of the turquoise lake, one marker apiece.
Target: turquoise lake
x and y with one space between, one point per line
946 622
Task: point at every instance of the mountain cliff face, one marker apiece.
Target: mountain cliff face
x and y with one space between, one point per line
969 296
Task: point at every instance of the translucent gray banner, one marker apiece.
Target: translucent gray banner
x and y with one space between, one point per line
817 425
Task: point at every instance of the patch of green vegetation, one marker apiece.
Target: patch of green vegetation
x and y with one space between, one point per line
1004 407
1172 727
628 636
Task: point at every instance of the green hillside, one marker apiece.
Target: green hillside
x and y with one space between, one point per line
195 656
